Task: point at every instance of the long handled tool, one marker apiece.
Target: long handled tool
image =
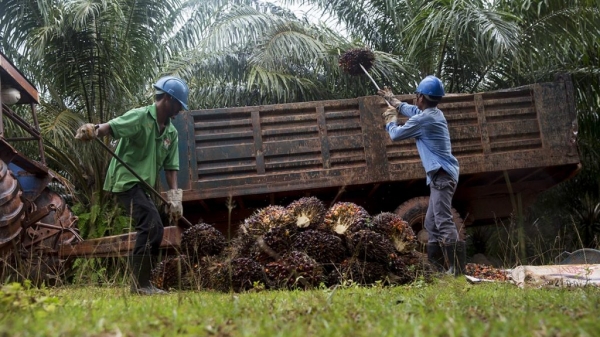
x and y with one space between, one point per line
352 62
148 187
372 80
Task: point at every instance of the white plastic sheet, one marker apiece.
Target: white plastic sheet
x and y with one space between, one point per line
567 275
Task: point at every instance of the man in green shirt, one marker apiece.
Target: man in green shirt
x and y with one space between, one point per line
148 142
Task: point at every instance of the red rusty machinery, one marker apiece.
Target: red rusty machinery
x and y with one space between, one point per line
34 220
11 209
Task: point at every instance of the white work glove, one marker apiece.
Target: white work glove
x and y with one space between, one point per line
388 95
87 132
175 208
390 115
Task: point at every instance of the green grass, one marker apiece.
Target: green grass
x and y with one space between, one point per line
449 307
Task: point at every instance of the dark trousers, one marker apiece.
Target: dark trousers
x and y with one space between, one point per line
148 224
439 222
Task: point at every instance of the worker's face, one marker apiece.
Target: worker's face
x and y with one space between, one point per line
174 107
420 102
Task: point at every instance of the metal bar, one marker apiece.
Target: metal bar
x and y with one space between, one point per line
21 122
372 80
482 121
325 146
117 245
148 187
40 140
258 142
1 109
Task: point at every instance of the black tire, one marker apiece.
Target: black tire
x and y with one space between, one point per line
414 210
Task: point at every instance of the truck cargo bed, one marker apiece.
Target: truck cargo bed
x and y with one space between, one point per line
338 149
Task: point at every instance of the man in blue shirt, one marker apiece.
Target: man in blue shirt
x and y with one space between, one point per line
428 126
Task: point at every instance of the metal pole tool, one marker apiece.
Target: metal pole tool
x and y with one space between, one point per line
148 187
372 80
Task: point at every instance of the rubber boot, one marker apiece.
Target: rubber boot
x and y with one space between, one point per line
141 266
456 256
435 256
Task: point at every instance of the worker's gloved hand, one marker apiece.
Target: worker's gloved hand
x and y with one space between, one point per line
389 96
175 208
390 115
87 132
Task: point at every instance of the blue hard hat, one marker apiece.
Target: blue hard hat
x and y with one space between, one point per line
175 87
431 86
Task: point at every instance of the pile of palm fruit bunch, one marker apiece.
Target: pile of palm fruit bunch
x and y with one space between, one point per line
200 245
301 246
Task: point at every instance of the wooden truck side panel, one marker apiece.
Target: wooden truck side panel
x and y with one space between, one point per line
304 147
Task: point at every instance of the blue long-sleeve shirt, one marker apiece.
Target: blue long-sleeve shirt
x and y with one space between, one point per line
430 129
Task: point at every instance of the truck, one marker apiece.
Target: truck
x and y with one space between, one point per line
511 145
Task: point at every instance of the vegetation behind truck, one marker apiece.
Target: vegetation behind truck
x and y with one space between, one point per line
511 142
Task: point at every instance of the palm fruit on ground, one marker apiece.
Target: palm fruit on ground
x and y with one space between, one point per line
351 60
295 270
279 239
266 218
175 272
358 271
255 227
237 275
397 230
202 240
203 274
322 246
346 217
273 244
307 212
242 245
417 264
371 246
400 272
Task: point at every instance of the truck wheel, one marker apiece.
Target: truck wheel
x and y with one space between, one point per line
413 211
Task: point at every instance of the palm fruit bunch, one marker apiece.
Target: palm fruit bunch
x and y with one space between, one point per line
346 217
255 227
351 60
266 218
279 239
202 240
175 272
321 246
242 245
358 271
371 246
203 273
295 270
397 230
273 244
237 275
400 273
307 212
417 264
